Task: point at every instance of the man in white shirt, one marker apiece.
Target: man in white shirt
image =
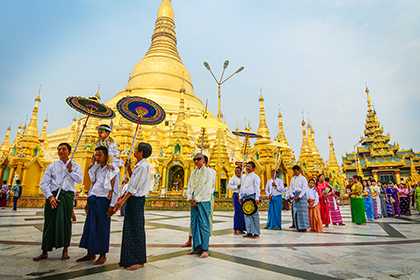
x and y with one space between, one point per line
298 188
206 163
251 188
206 160
238 218
200 188
58 212
103 195
274 190
133 245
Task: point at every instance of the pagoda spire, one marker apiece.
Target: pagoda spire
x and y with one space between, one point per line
43 136
332 162
262 126
164 36
312 145
4 148
281 136
18 135
32 128
30 139
305 157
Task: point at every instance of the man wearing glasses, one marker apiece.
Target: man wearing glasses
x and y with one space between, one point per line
200 187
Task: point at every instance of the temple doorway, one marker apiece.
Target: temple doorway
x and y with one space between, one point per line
175 178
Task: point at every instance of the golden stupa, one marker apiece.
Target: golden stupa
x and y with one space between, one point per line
162 77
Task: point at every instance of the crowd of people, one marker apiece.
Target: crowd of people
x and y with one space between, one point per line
314 204
371 200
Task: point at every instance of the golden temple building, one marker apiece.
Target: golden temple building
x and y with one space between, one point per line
377 158
162 77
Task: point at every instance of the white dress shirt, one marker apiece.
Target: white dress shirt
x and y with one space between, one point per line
312 193
100 187
140 180
250 184
274 191
200 185
214 177
113 152
298 183
234 182
54 175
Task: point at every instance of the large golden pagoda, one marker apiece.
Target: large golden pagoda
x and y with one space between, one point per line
377 158
25 158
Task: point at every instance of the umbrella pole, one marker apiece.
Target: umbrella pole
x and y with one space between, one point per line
243 163
202 140
74 152
277 162
131 150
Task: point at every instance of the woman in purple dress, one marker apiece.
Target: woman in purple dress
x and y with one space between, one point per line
396 197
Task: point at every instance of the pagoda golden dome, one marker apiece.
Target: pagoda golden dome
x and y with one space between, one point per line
160 74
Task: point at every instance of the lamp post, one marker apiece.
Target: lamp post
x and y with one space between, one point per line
219 113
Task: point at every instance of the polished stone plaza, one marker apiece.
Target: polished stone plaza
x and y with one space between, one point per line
386 249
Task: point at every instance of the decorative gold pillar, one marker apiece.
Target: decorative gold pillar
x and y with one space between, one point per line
397 176
164 180
12 171
375 174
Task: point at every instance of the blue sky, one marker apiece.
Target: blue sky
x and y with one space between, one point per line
306 55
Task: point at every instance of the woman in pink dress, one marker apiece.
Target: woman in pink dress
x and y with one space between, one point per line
334 208
324 204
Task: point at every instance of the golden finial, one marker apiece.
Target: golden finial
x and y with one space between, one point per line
303 118
166 10
38 98
261 96
98 97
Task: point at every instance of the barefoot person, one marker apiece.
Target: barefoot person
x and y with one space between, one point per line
200 187
133 245
206 163
298 188
238 218
57 213
315 220
251 188
99 208
274 191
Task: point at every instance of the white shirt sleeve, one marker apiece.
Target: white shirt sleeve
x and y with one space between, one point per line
257 187
231 185
46 182
76 173
268 188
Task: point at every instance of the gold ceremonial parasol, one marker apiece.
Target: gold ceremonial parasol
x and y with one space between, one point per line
279 145
205 121
247 133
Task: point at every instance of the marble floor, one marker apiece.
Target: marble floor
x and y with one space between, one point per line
386 249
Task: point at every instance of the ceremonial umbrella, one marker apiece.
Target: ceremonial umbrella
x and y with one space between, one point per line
279 145
205 121
247 133
139 110
90 107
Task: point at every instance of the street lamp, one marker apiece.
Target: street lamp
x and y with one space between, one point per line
219 113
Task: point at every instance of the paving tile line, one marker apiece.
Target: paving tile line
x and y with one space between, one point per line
109 267
224 257
282 245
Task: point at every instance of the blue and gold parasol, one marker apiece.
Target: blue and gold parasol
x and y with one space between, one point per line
90 106
133 107
139 110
